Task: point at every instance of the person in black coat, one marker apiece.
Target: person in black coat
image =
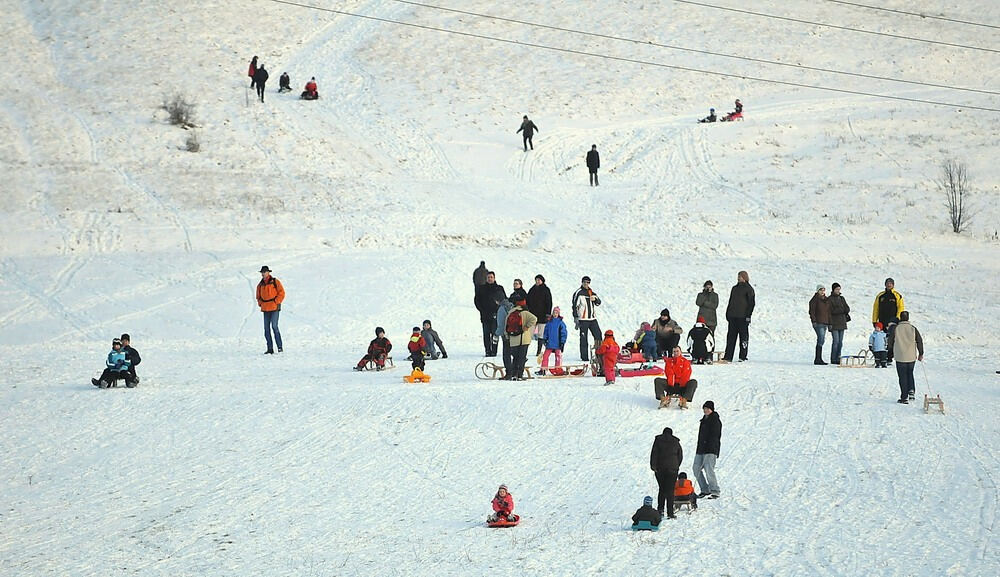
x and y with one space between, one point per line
593 163
707 452
260 79
528 128
665 460
285 83
479 275
540 305
741 304
131 355
488 297
647 513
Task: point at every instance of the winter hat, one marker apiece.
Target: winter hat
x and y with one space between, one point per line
416 329
711 110
644 326
609 333
647 501
427 322
701 320
379 331
889 280
665 313
585 279
125 337
265 269
682 475
820 287
708 405
116 342
539 277
555 312
504 487
835 285
708 282
878 326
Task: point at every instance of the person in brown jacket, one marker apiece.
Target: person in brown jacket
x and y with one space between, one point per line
819 314
270 294
520 342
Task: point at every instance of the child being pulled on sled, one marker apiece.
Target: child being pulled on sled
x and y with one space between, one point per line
607 353
416 347
503 506
647 513
378 350
554 338
684 491
878 345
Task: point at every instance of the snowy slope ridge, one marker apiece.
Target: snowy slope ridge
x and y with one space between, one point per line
374 204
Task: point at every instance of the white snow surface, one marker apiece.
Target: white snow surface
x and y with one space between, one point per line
374 204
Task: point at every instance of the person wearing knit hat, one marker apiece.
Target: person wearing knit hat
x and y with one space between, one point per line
878 344
668 333
585 302
707 453
607 354
540 304
647 513
645 341
503 507
378 352
416 346
839 317
554 339
819 316
708 301
665 458
701 343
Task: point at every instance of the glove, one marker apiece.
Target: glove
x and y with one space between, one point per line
444 355
748 320
576 324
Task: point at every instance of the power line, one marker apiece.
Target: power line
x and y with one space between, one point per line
708 52
633 60
918 14
834 26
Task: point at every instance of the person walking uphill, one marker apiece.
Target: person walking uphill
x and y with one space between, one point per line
260 79
528 128
489 295
741 303
270 295
593 163
887 308
665 460
585 302
908 348
819 316
707 452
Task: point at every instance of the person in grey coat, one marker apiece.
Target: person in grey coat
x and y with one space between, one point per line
708 302
432 342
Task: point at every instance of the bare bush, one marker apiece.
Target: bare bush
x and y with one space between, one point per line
954 183
192 144
180 110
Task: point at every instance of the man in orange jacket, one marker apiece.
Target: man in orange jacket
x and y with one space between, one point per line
270 293
676 380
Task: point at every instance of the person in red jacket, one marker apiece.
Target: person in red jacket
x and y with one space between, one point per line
676 380
607 354
416 348
378 351
503 506
311 92
684 491
270 294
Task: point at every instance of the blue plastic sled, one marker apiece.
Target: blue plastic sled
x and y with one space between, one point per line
645 526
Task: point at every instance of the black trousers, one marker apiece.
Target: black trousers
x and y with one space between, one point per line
667 344
593 178
665 480
595 329
738 328
527 142
260 91
520 359
660 388
490 337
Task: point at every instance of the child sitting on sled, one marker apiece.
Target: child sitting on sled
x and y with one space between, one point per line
645 340
878 345
684 491
647 513
503 506
607 354
116 367
554 337
378 350
416 347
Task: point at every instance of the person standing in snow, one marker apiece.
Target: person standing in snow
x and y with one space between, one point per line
270 295
908 348
887 308
741 304
839 317
707 452
585 302
665 460
593 163
554 338
708 302
540 305
528 128
487 300
260 79
501 337
252 71
819 316
520 342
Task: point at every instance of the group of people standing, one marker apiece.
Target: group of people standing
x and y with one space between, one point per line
259 75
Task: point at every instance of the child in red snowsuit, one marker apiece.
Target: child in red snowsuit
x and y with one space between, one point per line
378 350
503 506
608 352
416 348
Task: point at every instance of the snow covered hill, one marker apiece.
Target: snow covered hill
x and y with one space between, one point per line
374 204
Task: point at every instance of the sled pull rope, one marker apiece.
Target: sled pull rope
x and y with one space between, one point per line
927 382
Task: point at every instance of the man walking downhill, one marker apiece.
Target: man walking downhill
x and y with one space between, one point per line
528 129
270 294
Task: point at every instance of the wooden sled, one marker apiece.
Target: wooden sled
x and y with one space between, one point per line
856 361
489 371
685 504
928 401
371 366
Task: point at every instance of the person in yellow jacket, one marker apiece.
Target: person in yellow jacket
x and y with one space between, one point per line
270 293
886 310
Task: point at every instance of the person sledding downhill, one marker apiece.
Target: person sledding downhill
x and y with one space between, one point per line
116 367
607 353
416 347
311 91
710 118
734 115
503 509
646 518
378 352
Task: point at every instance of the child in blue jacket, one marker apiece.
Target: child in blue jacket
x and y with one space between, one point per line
554 338
117 366
877 344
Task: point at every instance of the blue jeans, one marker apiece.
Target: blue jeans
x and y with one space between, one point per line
704 472
820 334
838 344
906 384
271 323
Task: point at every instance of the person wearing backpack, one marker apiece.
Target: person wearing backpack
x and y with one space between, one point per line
518 328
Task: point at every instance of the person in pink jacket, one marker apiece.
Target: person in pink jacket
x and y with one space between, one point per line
503 506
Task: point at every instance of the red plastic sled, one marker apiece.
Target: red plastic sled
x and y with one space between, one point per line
560 372
654 370
505 523
626 357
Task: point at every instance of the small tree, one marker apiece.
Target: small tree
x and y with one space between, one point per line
954 183
180 110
